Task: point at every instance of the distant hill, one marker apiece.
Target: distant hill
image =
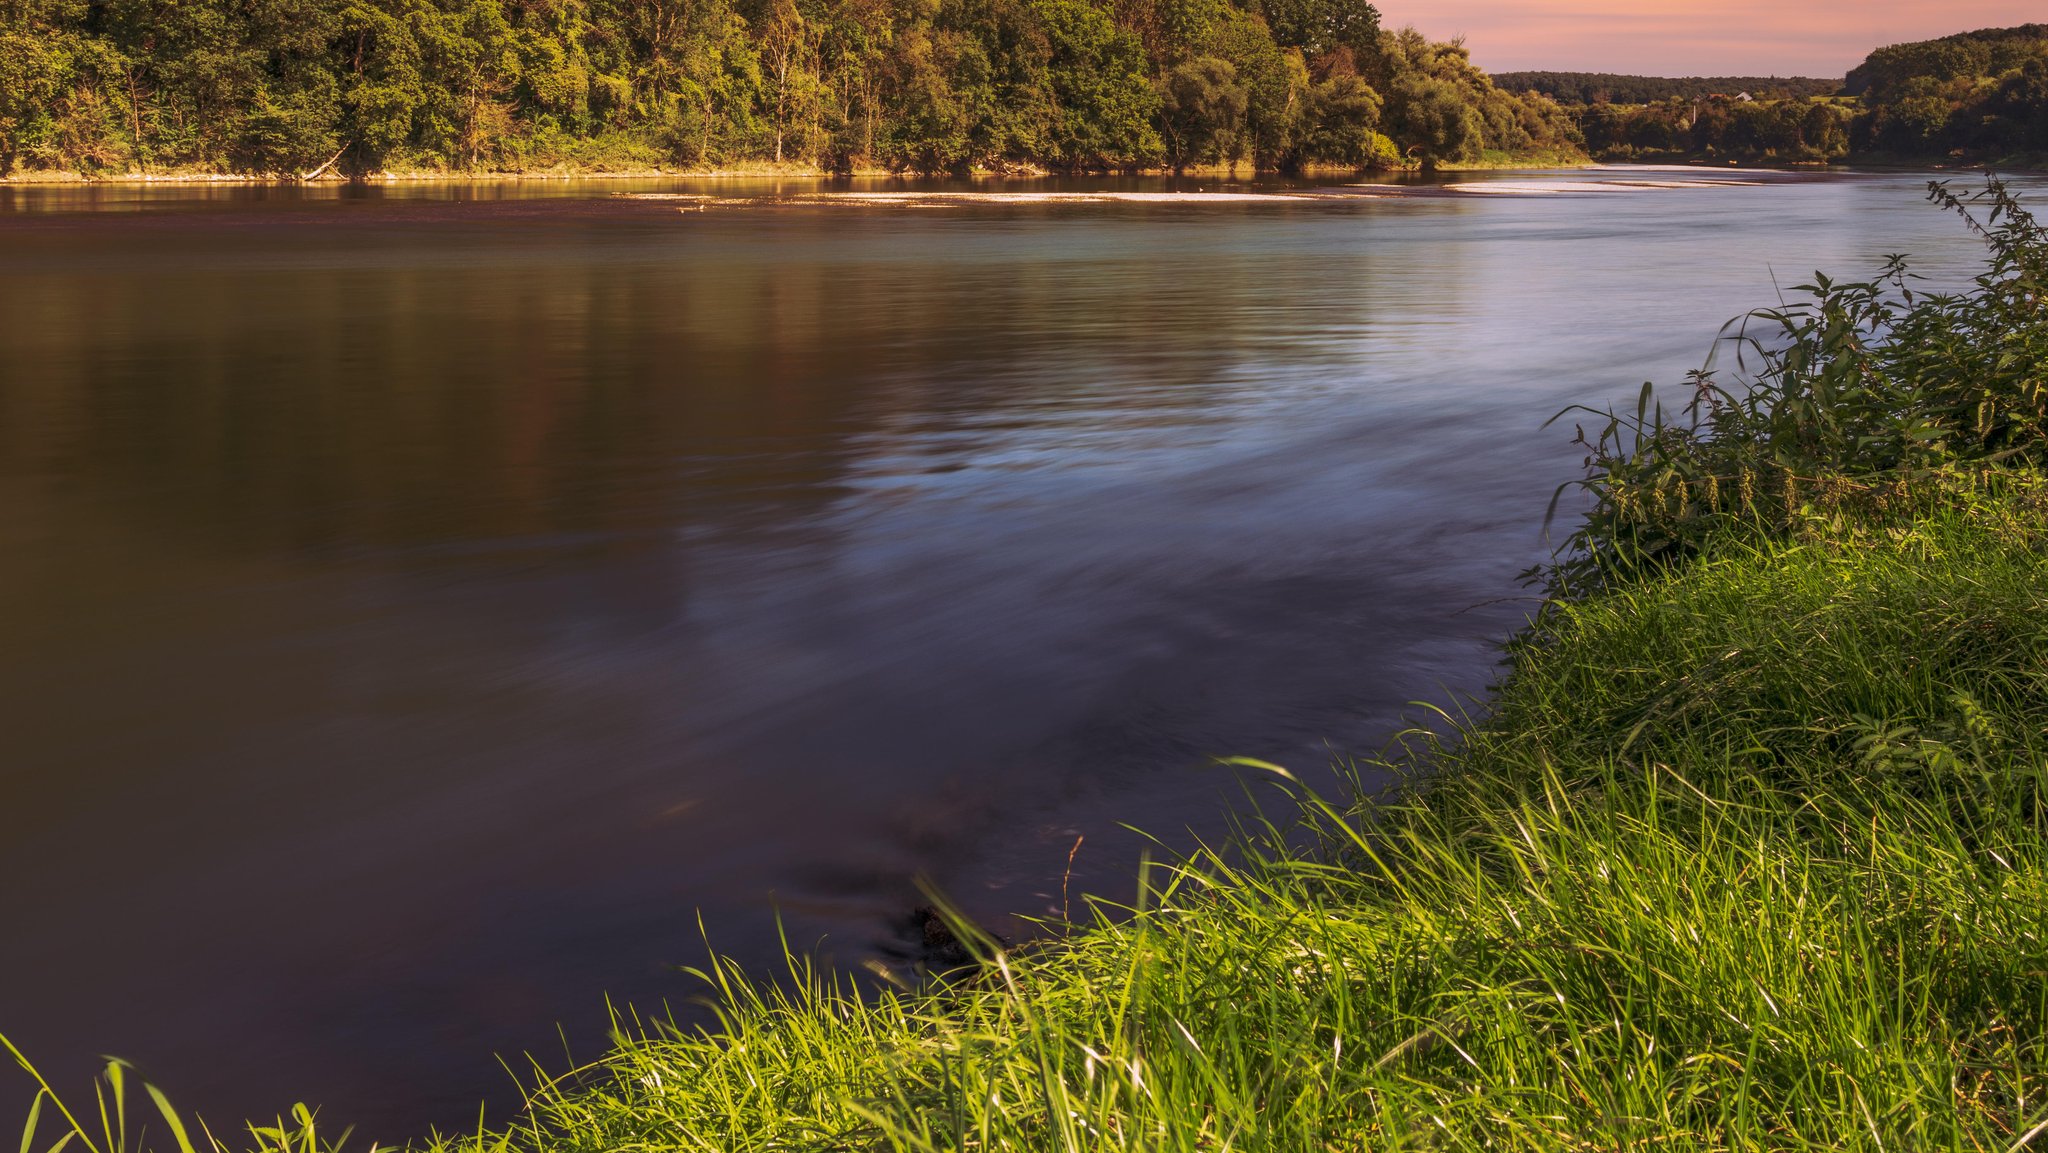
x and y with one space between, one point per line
1987 52
1975 95
1604 87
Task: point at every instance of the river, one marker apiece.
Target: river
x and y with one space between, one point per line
420 605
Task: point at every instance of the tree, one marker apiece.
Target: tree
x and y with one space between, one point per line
554 74
1340 125
1270 86
37 58
1202 110
1103 108
2018 108
469 56
1916 119
942 79
854 50
1320 26
1432 120
789 49
382 86
289 95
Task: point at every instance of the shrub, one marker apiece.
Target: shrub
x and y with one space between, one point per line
1857 392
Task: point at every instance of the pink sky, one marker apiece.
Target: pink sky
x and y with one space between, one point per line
1696 37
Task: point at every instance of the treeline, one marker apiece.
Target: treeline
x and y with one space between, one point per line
1808 129
1979 95
1609 88
362 86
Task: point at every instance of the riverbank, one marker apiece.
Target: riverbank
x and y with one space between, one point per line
1897 162
1748 851
1490 161
1861 162
450 176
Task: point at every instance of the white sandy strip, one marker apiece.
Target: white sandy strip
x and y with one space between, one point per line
1686 183
1693 168
917 198
1569 187
662 196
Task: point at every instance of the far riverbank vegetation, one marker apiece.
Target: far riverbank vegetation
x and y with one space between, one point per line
296 89
355 87
1972 98
1749 850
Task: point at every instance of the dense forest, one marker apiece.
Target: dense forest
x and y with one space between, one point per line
929 86
1608 88
1978 96
1719 127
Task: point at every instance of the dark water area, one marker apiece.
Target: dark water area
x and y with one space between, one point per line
419 605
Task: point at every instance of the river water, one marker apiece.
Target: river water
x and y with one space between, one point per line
419 606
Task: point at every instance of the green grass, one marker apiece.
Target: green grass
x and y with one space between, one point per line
1747 855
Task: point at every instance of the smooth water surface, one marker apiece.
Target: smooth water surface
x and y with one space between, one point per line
419 605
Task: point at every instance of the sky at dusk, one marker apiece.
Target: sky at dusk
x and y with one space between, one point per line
1695 37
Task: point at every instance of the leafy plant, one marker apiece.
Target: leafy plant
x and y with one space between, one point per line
1853 395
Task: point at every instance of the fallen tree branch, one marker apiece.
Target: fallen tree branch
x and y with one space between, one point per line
318 172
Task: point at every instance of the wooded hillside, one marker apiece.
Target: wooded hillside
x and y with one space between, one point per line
285 86
1979 94
1975 97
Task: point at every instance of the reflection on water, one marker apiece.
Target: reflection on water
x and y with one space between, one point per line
420 604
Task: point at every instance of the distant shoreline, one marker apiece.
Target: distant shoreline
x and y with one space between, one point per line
64 179
1243 172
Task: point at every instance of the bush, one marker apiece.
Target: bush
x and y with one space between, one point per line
1858 392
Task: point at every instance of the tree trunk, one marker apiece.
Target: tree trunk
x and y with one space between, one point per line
781 96
317 172
135 122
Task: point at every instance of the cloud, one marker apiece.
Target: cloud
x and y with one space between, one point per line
1693 37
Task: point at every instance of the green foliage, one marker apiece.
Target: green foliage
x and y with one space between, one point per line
1340 121
1964 57
2016 110
1270 79
1980 94
1430 116
1854 395
1202 112
1319 27
1977 95
1102 106
292 87
1810 129
1605 88
1441 109
33 70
